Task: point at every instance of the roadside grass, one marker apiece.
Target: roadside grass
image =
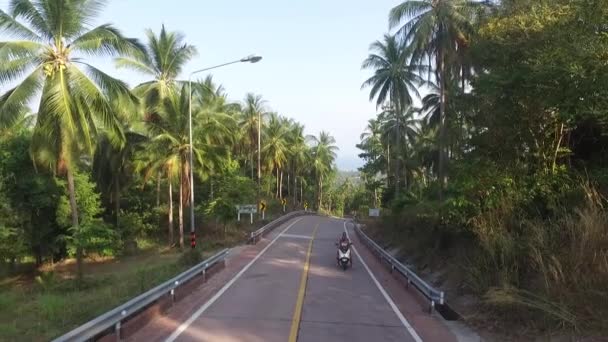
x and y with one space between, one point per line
38 305
44 309
518 277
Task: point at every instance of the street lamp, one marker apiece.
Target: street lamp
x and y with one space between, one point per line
248 59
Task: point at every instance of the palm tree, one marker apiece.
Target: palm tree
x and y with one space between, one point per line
54 35
323 157
275 148
216 125
435 30
298 154
253 112
113 167
163 60
403 127
394 79
169 129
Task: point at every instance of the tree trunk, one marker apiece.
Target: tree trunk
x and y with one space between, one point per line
442 122
181 211
74 212
320 191
288 186
388 165
281 186
558 146
251 162
277 189
295 189
301 190
158 190
170 214
398 150
117 203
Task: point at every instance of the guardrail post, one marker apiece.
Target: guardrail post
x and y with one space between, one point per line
432 307
172 297
117 331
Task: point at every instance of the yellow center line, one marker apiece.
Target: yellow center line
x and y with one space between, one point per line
297 313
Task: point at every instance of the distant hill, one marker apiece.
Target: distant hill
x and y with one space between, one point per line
353 176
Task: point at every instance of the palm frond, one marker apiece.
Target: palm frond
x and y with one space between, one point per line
12 27
106 40
27 10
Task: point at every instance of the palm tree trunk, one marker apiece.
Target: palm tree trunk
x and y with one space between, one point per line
158 190
320 191
277 189
388 165
288 180
281 186
398 143
170 214
295 188
301 190
251 163
442 122
181 211
74 211
116 202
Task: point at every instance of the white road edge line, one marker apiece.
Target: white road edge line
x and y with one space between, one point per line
205 306
404 321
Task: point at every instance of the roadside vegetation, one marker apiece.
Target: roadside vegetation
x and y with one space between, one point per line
95 172
498 167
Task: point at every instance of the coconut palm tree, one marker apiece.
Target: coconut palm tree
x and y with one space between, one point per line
395 79
113 166
375 152
402 127
434 30
48 60
252 117
163 60
275 148
298 154
323 157
170 138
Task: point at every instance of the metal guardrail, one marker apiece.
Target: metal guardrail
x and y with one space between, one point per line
114 317
255 235
433 295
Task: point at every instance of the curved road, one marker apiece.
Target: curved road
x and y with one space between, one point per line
289 288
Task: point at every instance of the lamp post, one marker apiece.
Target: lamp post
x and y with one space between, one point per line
248 59
259 164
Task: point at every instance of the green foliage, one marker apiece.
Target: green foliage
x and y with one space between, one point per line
190 257
92 234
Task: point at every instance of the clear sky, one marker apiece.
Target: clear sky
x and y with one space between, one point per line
312 53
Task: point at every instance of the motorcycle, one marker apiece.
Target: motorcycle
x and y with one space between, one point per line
344 257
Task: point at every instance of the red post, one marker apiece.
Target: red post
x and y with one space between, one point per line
193 239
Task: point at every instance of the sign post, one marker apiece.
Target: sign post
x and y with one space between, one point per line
263 208
246 209
305 206
374 212
284 203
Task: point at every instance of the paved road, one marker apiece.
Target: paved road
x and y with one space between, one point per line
292 290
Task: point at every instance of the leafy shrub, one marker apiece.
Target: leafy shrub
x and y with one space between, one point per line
92 234
190 257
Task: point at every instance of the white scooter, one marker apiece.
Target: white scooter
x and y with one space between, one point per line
344 258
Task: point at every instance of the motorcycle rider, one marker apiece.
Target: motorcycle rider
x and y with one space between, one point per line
343 238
